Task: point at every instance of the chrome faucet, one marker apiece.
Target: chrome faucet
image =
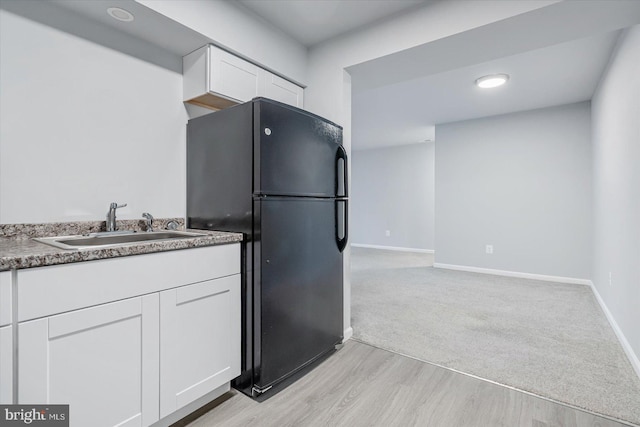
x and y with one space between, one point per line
111 216
149 219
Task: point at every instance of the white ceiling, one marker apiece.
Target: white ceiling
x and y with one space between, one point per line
404 112
553 58
314 21
70 16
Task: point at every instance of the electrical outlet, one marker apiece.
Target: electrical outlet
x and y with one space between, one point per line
489 249
387 233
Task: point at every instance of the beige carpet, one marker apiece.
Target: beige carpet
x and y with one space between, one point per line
550 339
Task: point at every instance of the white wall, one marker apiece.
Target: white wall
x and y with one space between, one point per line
98 116
616 170
236 28
84 125
393 189
520 182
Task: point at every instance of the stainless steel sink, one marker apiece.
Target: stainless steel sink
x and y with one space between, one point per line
98 240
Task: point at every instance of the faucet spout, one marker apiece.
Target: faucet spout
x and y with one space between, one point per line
111 216
149 220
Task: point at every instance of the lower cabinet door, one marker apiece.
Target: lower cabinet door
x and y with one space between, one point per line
200 340
6 365
102 361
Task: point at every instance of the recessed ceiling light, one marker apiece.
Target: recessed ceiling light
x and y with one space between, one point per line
492 80
120 14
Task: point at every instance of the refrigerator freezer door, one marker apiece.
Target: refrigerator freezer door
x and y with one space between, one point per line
295 153
300 266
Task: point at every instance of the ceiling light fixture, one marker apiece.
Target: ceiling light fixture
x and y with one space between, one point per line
492 80
120 14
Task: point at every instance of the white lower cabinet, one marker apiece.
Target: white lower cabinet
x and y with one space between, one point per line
6 339
199 340
126 341
102 361
6 365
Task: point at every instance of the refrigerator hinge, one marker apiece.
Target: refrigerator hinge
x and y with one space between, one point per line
257 391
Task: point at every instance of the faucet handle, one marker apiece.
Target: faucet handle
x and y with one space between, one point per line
114 205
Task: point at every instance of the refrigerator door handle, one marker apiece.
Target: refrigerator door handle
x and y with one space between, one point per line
342 216
341 155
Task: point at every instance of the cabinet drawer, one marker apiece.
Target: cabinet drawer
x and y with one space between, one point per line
46 291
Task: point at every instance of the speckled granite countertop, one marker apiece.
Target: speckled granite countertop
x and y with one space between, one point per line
18 250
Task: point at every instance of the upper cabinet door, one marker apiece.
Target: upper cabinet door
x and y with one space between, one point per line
282 90
231 76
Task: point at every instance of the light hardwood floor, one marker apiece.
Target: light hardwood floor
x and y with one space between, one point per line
361 385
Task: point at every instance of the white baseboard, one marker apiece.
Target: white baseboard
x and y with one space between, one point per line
348 333
393 248
633 358
559 279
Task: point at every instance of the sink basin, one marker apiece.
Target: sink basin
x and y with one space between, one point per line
98 240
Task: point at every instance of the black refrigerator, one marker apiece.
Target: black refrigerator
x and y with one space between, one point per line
278 175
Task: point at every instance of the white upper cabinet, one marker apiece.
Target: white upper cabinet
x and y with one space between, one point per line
214 78
217 79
